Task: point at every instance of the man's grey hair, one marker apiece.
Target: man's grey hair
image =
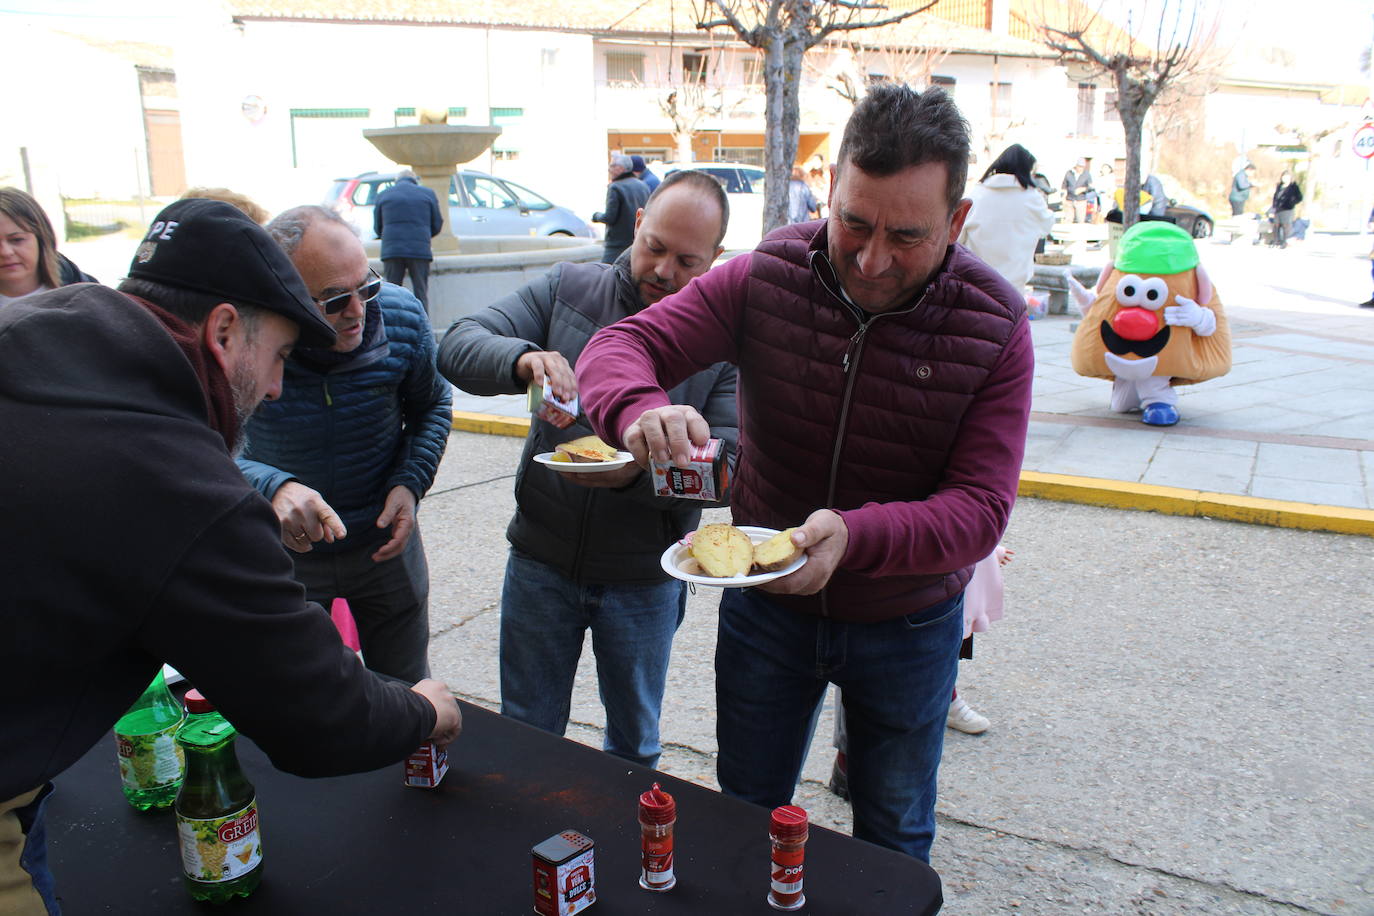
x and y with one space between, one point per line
289 226
621 161
407 173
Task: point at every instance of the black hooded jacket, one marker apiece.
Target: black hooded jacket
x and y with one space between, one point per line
131 539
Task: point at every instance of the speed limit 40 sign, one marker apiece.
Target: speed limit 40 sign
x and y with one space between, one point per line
1364 141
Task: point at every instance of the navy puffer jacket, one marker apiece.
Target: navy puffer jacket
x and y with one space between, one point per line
355 425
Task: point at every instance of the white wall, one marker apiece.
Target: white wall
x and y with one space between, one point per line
77 111
379 68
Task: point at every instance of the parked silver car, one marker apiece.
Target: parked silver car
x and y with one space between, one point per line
478 204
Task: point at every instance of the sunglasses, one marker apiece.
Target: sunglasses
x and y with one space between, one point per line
366 292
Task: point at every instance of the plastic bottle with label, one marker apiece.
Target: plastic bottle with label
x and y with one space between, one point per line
217 812
150 763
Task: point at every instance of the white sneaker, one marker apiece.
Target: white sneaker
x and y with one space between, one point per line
962 717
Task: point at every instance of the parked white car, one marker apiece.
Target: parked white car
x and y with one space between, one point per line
744 188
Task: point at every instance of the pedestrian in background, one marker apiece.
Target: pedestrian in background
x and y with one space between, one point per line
818 180
406 218
801 203
1240 188
29 259
1106 177
1370 303
1008 216
641 170
1159 198
1078 187
625 195
1287 196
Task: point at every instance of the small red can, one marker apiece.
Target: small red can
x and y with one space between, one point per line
426 766
564 874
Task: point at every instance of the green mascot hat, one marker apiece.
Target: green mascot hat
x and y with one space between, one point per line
1155 247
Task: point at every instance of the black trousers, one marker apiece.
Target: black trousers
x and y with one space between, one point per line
395 269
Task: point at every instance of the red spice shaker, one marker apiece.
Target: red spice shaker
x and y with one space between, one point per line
787 831
657 816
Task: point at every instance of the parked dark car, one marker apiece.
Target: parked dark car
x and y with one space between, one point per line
1197 223
478 204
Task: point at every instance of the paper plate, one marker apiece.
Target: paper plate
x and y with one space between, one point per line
676 556
583 467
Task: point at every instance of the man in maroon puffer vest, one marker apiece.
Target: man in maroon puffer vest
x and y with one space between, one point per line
885 384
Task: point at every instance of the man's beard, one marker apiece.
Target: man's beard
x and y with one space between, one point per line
651 279
244 387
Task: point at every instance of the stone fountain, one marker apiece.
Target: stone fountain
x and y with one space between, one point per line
434 149
487 267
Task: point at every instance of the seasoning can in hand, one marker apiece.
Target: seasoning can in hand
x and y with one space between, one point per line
787 833
657 817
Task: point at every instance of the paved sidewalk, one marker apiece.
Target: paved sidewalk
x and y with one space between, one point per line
1287 437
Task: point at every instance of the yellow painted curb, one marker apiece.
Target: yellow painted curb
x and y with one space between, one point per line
1094 491
1117 494
468 422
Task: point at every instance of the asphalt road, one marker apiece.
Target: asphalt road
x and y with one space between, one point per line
1182 708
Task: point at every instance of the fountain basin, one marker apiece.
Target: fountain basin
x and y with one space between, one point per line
491 267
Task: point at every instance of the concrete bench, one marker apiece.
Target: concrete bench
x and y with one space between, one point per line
1245 226
1052 279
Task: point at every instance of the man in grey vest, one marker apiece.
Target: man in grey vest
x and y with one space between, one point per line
585 548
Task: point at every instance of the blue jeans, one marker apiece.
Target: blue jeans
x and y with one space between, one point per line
389 602
25 827
772 670
543 618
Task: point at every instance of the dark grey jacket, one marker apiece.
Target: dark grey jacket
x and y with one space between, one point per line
624 196
589 535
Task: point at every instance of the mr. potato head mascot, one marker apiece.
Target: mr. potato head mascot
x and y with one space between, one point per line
1156 322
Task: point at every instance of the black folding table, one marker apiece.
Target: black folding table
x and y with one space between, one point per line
368 844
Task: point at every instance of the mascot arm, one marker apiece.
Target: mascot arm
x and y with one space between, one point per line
1188 314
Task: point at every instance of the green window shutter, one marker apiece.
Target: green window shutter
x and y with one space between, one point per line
321 113
330 112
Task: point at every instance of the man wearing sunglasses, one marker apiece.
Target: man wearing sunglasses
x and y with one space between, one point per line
353 443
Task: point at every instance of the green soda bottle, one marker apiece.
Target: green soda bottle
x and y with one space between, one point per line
150 763
217 810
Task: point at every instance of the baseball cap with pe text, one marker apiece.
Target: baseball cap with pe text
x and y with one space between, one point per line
208 246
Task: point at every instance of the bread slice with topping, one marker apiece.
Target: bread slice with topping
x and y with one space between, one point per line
586 449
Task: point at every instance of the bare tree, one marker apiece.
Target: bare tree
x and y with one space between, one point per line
850 75
686 107
784 30
1162 42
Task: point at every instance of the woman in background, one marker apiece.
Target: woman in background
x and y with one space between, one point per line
29 260
1008 217
1287 196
